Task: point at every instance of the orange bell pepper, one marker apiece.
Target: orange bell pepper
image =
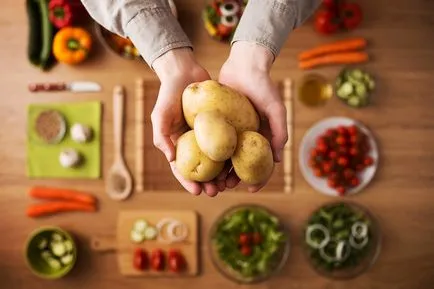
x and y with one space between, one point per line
71 45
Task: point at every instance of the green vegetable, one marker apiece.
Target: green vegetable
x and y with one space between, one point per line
47 34
57 237
354 86
58 249
54 263
34 45
150 233
67 259
43 244
68 245
264 257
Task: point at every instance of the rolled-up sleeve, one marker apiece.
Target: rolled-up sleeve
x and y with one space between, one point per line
150 24
269 23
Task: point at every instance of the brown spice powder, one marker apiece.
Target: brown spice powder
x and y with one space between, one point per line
48 125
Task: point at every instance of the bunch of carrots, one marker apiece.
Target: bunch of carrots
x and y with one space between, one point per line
340 52
60 200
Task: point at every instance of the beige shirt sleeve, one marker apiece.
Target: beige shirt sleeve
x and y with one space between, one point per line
149 24
269 22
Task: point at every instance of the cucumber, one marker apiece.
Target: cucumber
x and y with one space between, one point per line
68 245
137 237
57 237
34 45
345 90
354 86
150 233
361 90
67 259
354 101
46 255
357 74
43 244
54 263
58 249
140 226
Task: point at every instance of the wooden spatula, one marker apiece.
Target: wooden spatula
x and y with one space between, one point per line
119 184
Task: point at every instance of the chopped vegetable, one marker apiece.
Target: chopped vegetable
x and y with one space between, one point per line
43 244
335 58
176 261
150 233
68 245
140 226
249 242
359 230
58 249
171 227
140 259
317 236
157 260
61 194
57 237
137 237
67 259
54 263
354 86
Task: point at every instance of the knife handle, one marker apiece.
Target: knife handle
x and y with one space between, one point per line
36 87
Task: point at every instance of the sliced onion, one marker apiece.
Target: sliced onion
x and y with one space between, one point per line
340 253
172 224
229 21
359 230
311 242
354 242
229 8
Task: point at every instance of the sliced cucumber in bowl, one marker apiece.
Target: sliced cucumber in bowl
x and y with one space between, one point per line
354 87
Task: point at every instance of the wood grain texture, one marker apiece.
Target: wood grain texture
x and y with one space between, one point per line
400 35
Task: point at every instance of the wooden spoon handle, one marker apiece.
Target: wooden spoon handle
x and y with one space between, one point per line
287 159
103 243
140 130
118 119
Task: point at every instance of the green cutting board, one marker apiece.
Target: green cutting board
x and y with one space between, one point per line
43 159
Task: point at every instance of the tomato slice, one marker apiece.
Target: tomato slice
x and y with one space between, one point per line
157 260
176 262
140 259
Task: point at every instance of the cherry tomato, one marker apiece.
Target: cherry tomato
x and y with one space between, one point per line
360 167
326 22
140 260
368 161
354 139
333 154
330 4
244 239
340 140
330 132
322 147
176 262
348 173
257 238
366 147
341 190
354 151
343 150
314 152
331 183
312 163
246 250
327 167
352 15
333 176
355 182
157 260
353 130
173 252
343 161
342 130
318 172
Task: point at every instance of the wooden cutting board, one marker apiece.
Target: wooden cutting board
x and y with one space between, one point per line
124 247
152 171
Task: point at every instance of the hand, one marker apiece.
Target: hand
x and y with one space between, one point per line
247 70
176 69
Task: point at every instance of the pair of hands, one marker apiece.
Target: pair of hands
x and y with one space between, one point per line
246 70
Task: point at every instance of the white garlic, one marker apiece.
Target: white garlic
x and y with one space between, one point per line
69 158
81 133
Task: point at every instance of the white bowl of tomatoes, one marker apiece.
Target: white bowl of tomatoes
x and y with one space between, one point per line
338 156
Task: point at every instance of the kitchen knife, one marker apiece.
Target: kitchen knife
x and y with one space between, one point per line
75 86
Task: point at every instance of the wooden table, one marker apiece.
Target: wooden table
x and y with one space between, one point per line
402 45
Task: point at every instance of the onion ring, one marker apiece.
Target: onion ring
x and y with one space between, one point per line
172 224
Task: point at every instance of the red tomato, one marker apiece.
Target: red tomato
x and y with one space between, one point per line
352 15
246 250
354 139
257 238
333 176
340 140
330 4
353 130
327 167
140 260
312 163
368 161
343 150
176 262
366 147
322 147
348 173
360 167
355 182
173 252
330 132
326 22
223 30
343 161
354 151
333 154
341 190
317 172
157 260
331 183
244 239
342 130
314 152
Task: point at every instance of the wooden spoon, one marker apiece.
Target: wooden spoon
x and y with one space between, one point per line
120 183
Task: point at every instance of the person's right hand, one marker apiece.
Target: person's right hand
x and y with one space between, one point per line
177 69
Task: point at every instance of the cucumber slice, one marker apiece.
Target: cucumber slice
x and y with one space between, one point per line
371 84
357 74
43 244
54 263
345 90
58 249
150 233
354 101
46 255
137 237
57 237
68 245
140 226
361 90
67 259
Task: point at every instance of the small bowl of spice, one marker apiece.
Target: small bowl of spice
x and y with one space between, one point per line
50 126
314 90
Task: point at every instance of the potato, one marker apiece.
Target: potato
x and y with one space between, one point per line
191 163
216 138
253 158
210 95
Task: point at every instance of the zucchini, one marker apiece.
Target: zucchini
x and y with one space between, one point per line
67 259
57 237
150 233
354 86
47 35
137 237
43 244
361 90
354 101
54 263
58 249
345 90
46 255
68 245
34 45
140 226
357 74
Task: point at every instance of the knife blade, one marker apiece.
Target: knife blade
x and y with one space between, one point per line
75 86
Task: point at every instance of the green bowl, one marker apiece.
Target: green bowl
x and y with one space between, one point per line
34 260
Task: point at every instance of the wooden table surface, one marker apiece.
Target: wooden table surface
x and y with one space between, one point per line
402 45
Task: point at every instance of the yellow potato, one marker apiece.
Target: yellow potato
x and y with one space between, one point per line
216 138
191 163
210 95
253 158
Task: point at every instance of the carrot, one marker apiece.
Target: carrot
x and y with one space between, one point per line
338 46
61 194
49 208
337 58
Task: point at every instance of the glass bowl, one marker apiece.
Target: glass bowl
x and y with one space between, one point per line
353 267
277 260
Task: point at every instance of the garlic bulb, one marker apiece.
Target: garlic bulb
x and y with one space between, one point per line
81 133
69 158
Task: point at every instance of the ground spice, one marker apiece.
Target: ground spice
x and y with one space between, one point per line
119 183
49 125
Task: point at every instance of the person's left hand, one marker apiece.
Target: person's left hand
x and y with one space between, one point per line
247 70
